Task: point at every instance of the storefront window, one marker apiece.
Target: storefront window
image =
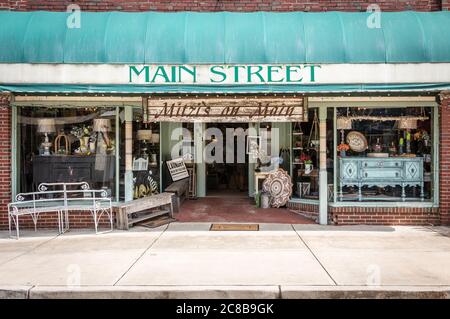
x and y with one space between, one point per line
146 157
69 144
305 155
384 154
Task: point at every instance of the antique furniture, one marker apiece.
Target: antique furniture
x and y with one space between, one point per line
132 212
180 189
392 171
97 169
278 184
60 198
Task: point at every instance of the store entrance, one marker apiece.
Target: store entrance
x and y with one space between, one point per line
227 168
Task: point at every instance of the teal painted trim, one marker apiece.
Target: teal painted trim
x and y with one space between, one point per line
323 179
436 168
199 144
117 154
224 37
252 166
304 201
291 153
128 178
15 152
141 89
335 144
411 204
355 204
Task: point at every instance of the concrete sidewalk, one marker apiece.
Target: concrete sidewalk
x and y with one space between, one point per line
186 260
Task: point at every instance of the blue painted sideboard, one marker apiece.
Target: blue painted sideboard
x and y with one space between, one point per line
381 172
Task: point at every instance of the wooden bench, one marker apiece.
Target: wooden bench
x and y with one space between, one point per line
145 208
181 190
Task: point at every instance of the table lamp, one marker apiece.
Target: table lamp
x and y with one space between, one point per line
343 123
144 136
46 126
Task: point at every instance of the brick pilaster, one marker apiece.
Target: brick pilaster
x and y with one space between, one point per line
5 158
444 175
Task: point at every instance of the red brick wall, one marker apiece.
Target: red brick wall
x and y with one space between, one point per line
445 5
383 216
50 221
444 176
310 211
225 5
5 159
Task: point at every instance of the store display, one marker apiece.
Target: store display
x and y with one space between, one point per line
357 141
59 149
390 156
278 184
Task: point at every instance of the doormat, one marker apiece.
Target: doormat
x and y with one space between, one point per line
156 222
234 227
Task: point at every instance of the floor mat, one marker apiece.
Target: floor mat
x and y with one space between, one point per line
234 227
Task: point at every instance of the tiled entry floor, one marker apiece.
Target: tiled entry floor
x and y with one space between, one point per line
235 209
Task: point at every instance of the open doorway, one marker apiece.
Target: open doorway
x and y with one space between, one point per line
227 177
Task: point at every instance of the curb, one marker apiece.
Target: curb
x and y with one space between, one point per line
14 292
156 292
365 292
224 292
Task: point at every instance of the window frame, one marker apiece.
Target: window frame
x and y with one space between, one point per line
341 102
15 156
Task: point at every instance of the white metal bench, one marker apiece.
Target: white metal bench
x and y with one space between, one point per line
60 198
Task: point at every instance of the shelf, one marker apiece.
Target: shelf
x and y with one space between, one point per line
297 148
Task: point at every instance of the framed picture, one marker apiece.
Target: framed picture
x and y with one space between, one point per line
253 143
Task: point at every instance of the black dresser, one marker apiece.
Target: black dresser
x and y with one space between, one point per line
97 170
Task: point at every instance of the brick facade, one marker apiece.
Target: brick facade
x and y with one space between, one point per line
5 158
383 216
225 5
310 211
337 215
444 176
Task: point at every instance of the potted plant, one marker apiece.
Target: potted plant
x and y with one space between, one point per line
308 166
343 148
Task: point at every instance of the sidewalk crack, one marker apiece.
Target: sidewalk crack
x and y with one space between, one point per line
315 257
30 250
141 255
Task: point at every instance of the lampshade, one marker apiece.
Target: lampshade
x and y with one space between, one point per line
102 125
155 138
144 135
407 123
46 125
344 123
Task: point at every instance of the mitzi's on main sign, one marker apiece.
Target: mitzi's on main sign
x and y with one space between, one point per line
223 74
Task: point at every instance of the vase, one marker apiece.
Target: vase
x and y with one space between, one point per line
308 169
343 153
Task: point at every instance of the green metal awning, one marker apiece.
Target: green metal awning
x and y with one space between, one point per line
224 37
